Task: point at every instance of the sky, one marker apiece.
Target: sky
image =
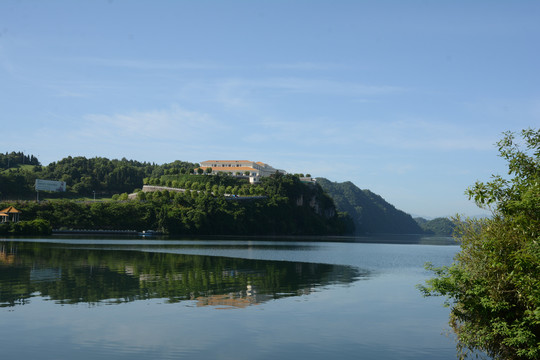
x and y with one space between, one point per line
404 98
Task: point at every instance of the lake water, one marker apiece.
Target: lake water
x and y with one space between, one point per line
66 298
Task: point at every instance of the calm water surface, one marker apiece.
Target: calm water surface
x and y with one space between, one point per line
65 298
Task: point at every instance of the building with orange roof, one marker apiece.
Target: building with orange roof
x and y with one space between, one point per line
255 170
10 214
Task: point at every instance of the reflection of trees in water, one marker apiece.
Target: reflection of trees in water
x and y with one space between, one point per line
74 274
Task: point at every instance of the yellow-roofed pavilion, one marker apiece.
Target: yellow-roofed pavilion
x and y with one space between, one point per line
10 214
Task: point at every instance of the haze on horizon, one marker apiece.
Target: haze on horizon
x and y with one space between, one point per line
406 99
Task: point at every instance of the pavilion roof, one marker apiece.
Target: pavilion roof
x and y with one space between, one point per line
10 210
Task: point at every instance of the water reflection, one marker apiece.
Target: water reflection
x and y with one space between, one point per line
70 274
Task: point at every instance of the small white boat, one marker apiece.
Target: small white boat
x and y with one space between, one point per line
149 233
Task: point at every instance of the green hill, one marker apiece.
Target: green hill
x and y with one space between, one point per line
83 176
370 212
286 206
437 226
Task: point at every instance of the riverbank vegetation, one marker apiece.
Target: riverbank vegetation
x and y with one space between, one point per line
26 228
493 286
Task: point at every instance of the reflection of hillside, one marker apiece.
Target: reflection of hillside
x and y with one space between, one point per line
73 275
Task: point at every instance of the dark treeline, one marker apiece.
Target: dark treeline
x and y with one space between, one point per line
288 207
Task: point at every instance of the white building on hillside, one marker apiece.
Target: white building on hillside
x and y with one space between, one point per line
255 170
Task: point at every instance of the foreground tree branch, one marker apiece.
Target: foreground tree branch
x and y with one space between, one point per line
493 286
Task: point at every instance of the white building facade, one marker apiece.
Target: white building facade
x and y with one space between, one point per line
255 170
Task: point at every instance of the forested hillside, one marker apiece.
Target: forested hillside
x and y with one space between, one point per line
83 176
288 207
370 212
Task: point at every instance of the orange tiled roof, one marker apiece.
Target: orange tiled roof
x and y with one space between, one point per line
228 161
230 168
10 210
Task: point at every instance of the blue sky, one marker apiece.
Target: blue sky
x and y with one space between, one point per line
405 98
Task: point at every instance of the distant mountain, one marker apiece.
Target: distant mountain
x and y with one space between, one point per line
370 212
437 226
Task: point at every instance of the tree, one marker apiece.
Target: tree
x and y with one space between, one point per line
200 171
141 195
493 286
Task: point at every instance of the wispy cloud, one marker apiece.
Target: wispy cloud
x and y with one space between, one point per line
304 66
243 92
373 135
310 86
156 135
172 123
142 64
64 93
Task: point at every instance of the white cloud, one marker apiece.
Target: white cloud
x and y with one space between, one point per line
173 123
304 66
138 64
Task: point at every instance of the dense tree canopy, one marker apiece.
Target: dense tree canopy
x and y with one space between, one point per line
83 176
493 286
15 159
